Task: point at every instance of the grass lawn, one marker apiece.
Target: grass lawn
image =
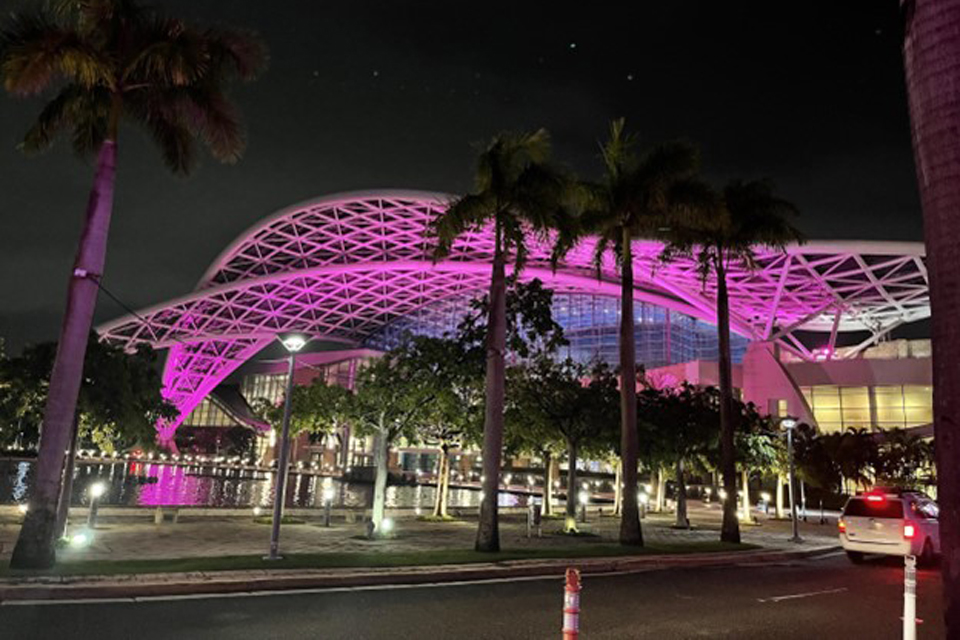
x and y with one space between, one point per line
384 559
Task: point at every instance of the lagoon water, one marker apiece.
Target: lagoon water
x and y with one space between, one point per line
132 484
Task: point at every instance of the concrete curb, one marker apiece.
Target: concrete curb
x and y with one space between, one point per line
131 587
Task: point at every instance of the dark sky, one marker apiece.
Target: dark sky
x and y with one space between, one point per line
364 94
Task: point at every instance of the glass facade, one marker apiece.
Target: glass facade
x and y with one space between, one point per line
591 325
209 414
265 386
838 408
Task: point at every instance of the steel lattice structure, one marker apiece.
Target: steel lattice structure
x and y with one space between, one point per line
343 266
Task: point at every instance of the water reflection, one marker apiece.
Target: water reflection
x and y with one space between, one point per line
148 484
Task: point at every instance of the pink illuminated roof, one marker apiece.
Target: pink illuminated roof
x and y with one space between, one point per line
341 267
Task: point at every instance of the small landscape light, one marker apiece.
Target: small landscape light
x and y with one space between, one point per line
23 507
97 489
386 525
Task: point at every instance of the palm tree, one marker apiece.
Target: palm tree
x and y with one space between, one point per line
722 229
110 61
931 54
631 202
519 191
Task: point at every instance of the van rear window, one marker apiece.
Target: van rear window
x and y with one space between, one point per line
886 508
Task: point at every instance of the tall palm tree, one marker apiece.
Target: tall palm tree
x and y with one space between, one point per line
111 61
632 201
721 229
519 191
931 55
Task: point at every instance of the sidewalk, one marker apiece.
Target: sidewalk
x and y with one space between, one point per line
209 536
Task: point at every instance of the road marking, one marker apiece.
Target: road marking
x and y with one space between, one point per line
376 587
797 596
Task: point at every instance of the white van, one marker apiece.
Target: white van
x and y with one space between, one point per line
890 522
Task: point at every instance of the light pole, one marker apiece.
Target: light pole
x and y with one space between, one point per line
790 424
96 490
292 342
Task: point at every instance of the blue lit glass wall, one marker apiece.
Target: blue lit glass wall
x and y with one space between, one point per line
591 324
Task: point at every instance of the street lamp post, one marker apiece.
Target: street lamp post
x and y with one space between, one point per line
292 342
790 424
96 490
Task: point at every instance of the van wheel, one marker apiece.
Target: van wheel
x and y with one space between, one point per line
855 557
926 558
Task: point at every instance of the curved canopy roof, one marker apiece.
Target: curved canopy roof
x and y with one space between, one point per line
341 267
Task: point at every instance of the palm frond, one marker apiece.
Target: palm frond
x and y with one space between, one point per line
462 214
56 116
242 52
35 50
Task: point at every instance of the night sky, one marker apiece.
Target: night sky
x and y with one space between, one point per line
364 94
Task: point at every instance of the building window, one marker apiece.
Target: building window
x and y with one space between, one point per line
886 406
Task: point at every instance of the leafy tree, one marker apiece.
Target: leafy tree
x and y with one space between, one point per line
721 229
440 371
111 61
387 403
903 459
678 425
317 409
519 191
757 448
119 401
567 401
631 202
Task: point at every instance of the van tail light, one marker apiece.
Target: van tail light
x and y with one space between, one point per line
909 531
842 525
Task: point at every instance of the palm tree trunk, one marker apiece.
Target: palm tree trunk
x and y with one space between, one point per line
780 487
730 530
630 533
571 506
488 530
548 463
745 481
35 544
381 451
66 492
681 522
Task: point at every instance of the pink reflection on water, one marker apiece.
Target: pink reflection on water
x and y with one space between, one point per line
173 487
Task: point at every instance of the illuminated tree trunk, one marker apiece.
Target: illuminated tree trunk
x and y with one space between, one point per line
35 544
745 481
931 53
730 530
630 533
66 491
618 488
780 486
443 483
571 510
661 490
381 452
548 462
488 529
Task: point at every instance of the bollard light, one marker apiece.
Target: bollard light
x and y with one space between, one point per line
386 525
257 511
80 539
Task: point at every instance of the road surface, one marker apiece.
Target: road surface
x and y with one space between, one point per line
825 598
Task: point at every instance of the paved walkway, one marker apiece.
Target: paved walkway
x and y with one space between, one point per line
212 536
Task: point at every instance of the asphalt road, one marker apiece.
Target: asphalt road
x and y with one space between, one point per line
826 598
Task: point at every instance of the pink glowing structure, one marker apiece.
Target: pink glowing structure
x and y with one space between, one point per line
341 267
